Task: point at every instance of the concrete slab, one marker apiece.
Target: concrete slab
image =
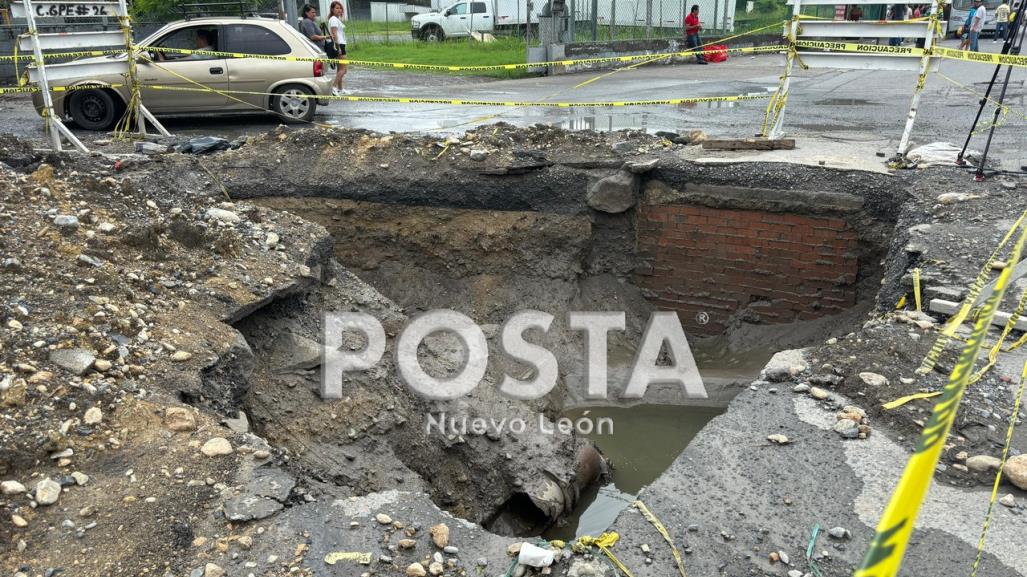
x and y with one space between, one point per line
853 152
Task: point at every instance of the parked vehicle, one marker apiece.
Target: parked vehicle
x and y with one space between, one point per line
277 86
961 9
465 17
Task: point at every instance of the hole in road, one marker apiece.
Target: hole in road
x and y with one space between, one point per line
745 282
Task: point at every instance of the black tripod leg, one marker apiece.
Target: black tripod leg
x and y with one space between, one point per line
1018 41
1007 45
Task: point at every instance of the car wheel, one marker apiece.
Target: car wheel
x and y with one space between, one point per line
433 34
293 103
94 109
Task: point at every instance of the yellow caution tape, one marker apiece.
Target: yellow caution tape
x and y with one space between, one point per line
916 288
603 543
860 47
903 400
901 303
463 102
461 68
31 89
362 558
62 55
884 557
980 57
18 89
993 353
652 518
998 475
949 331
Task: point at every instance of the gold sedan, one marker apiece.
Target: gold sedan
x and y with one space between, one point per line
175 83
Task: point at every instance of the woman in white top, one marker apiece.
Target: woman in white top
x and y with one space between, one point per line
338 32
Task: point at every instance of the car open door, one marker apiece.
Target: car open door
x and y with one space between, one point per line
193 80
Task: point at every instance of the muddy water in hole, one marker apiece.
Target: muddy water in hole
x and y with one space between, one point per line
647 438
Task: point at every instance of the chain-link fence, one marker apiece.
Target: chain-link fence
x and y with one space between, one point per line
586 20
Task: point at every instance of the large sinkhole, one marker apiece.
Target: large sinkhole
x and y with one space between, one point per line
752 261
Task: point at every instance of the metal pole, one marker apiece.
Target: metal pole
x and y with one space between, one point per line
782 93
595 20
925 64
648 19
44 86
613 20
131 55
570 24
290 12
716 8
727 3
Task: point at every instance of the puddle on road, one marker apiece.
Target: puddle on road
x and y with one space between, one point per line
647 438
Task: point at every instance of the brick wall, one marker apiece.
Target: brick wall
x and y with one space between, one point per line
710 263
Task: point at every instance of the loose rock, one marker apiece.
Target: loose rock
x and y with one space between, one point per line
12 488
847 428
47 492
179 419
217 447
983 463
1016 471
1009 501
93 416
383 519
440 535
613 194
222 215
75 361
873 379
839 533
818 393
785 365
416 570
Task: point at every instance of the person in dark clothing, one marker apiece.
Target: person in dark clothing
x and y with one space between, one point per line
692 28
309 28
898 14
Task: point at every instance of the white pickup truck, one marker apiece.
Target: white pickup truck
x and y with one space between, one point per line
464 17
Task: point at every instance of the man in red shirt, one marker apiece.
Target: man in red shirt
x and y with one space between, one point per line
692 28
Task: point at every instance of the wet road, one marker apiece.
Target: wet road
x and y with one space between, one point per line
844 105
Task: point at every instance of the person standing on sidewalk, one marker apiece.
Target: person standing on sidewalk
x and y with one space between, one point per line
338 37
1001 22
692 28
308 26
964 30
977 24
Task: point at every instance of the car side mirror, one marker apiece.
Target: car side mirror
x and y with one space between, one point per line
447 13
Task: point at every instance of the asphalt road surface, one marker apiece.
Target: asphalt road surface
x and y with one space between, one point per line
851 106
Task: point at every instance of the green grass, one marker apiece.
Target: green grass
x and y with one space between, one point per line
368 27
457 52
